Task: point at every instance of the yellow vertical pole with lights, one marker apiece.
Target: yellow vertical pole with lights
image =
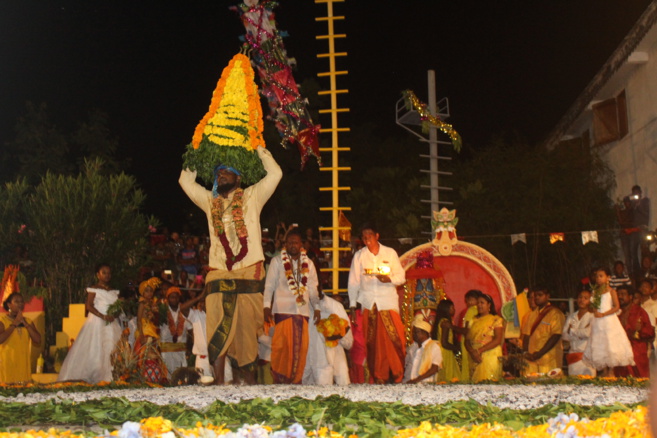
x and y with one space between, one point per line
334 150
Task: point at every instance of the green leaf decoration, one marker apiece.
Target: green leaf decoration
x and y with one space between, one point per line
208 155
366 419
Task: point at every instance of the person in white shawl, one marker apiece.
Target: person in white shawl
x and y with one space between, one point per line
327 365
424 357
577 331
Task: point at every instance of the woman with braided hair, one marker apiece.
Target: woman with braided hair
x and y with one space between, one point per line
89 358
147 345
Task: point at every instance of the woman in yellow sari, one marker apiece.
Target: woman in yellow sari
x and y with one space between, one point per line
445 335
17 335
484 342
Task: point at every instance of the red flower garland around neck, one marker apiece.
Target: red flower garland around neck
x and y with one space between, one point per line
237 211
300 287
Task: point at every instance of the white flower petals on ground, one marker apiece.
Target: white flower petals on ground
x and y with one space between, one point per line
501 396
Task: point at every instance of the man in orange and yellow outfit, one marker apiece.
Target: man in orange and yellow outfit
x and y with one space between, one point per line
290 288
373 279
541 336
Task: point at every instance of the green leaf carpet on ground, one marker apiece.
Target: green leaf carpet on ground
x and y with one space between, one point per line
339 414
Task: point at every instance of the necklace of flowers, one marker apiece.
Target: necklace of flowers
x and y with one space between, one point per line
176 328
298 286
240 226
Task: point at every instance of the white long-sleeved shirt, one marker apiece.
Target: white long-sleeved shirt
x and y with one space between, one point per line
277 288
254 200
327 365
577 331
367 289
650 306
165 332
328 306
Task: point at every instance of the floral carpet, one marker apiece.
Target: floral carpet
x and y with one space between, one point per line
494 410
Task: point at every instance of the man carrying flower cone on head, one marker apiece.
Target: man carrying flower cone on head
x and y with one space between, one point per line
227 150
290 288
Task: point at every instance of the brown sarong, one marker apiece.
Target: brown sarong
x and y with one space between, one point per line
234 314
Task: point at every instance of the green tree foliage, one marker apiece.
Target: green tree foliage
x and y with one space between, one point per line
386 184
12 219
40 146
511 187
76 222
389 197
92 139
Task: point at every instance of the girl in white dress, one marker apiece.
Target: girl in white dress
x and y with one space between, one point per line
89 357
608 346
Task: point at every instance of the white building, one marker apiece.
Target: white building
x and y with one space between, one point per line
616 114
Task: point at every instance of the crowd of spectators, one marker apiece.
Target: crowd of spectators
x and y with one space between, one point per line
181 259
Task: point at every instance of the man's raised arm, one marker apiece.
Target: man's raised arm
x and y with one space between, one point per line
264 188
197 193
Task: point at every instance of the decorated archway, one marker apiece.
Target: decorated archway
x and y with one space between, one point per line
448 268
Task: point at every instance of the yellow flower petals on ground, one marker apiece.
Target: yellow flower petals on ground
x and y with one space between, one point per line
625 424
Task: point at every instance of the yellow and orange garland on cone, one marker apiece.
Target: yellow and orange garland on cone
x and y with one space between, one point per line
231 130
227 114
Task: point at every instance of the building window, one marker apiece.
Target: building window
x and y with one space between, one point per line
610 120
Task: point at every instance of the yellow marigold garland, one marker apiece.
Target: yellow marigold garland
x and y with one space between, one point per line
333 328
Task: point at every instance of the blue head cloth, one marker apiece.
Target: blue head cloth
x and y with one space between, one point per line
220 167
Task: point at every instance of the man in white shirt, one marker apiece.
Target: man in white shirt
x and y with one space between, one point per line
290 288
648 304
577 331
235 284
423 358
173 333
373 279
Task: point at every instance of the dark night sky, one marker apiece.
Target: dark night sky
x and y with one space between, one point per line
152 65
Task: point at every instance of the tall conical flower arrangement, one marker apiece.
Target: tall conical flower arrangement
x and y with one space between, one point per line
231 130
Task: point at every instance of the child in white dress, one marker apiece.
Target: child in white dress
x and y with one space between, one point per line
89 357
609 346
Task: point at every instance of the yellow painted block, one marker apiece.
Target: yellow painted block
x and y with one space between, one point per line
45 378
61 340
72 325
